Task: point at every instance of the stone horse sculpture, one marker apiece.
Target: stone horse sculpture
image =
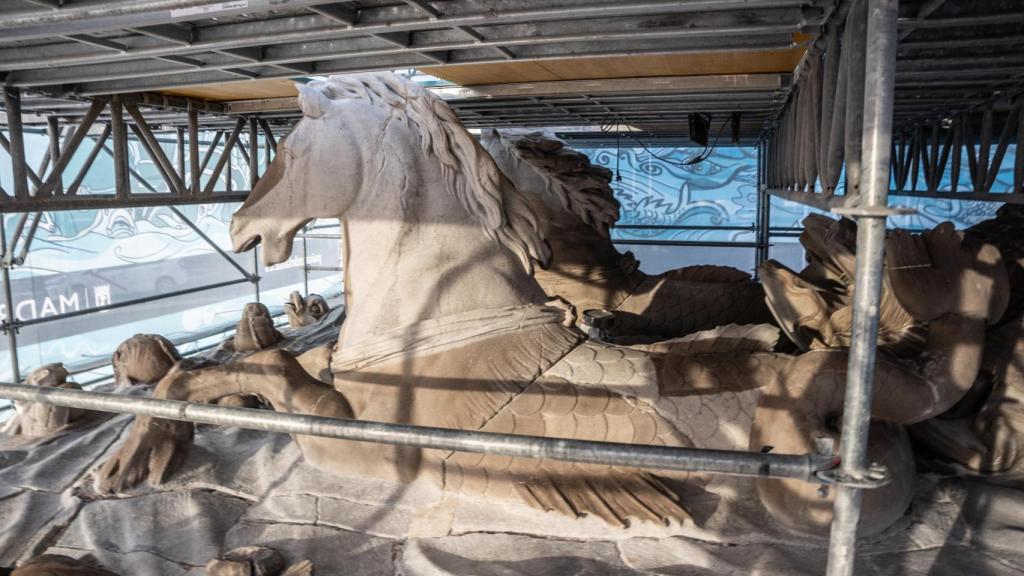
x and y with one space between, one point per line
143 358
35 419
255 330
575 207
446 327
305 311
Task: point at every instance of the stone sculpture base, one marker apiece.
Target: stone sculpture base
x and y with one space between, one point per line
242 487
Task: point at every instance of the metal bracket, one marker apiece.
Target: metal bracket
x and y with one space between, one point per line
875 476
873 211
8 327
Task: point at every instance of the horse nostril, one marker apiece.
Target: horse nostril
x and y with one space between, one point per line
832 422
249 243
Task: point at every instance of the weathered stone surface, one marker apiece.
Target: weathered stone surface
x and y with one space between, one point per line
131 563
682 557
247 561
994 520
510 555
185 528
945 561
361 504
332 551
243 463
23 516
54 464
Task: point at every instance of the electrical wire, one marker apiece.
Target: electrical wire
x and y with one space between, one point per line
704 155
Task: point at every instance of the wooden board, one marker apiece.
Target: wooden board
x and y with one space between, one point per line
621 67
242 90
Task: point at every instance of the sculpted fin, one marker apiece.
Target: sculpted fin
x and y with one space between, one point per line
554 408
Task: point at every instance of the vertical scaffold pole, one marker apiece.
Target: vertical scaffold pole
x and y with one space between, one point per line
305 263
763 218
879 81
180 151
195 171
119 133
254 153
19 171
53 132
256 272
12 335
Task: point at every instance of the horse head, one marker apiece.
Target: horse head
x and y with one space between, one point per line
316 173
385 135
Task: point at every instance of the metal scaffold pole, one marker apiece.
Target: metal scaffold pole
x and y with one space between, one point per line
762 220
255 278
755 464
11 327
879 83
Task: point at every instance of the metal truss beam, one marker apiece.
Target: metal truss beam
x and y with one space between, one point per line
97 201
184 185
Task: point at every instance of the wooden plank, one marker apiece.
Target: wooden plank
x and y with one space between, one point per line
699 64
276 88
671 84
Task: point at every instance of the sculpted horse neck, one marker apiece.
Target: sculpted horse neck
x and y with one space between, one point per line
412 251
446 329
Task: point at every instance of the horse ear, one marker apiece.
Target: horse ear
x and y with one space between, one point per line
312 102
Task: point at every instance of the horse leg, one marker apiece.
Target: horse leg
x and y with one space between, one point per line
156 446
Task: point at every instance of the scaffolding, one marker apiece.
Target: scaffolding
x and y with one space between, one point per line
863 111
10 324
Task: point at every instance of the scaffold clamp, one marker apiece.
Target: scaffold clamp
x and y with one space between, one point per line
873 211
874 476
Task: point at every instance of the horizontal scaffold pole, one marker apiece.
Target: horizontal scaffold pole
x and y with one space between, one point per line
799 466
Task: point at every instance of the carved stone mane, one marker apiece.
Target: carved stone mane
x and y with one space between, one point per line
569 177
468 172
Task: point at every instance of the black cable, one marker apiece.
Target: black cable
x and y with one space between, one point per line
618 151
704 155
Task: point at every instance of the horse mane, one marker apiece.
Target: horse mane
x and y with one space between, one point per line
570 178
468 171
